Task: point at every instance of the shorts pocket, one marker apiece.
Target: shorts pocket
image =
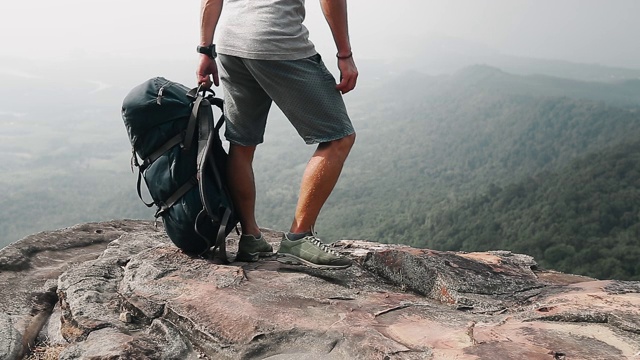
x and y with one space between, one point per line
317 60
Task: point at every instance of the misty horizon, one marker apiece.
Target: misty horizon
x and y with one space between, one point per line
578 31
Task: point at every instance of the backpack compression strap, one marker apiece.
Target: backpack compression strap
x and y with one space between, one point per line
150 159
182 191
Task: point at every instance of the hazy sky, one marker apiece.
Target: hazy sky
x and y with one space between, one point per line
589 31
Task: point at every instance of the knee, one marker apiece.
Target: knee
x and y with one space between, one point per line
342 147
347 142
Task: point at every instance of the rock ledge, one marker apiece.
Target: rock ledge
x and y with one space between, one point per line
121 290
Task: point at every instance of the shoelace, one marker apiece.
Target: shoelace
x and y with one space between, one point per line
324 247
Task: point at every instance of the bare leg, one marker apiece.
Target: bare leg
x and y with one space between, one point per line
242 186
320 177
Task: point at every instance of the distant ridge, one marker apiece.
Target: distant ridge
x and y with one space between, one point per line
566 69
623 92
446 57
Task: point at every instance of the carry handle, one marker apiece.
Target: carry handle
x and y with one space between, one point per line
193 93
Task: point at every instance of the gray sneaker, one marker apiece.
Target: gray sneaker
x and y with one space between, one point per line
251 249
312 252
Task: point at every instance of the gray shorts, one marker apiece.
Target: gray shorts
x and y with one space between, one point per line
303 89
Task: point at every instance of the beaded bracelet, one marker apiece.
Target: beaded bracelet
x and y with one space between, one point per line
345 56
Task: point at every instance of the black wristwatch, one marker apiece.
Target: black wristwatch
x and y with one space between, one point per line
210 50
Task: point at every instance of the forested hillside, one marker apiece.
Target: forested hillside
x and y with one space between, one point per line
428 148
65 155
584 218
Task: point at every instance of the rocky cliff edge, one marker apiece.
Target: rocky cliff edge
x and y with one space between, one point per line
121 290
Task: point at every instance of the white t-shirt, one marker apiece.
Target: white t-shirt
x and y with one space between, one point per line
264 30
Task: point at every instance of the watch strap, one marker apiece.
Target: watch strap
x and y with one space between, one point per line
210 50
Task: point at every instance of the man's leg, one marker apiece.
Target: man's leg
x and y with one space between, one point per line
320 177
243 192
242 186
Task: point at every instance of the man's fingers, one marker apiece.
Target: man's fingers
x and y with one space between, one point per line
342 86
216 78
204 81
207 70
348 75
347 83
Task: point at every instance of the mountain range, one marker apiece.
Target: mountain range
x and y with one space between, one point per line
478 159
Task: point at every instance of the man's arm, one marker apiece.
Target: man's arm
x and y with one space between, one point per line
335 12
209 16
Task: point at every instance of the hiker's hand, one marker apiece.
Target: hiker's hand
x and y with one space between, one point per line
206 70
348 75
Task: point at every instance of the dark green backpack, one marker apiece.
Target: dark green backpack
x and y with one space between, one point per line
171 128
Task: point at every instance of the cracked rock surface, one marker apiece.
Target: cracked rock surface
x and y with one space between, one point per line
121 290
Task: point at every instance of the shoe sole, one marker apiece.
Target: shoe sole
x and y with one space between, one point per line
294 260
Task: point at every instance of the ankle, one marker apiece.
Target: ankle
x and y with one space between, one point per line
297 227
257 236
297 236
251 230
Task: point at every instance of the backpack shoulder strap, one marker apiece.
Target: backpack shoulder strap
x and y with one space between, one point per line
193 120
206 131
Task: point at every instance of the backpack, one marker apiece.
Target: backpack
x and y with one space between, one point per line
171 129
